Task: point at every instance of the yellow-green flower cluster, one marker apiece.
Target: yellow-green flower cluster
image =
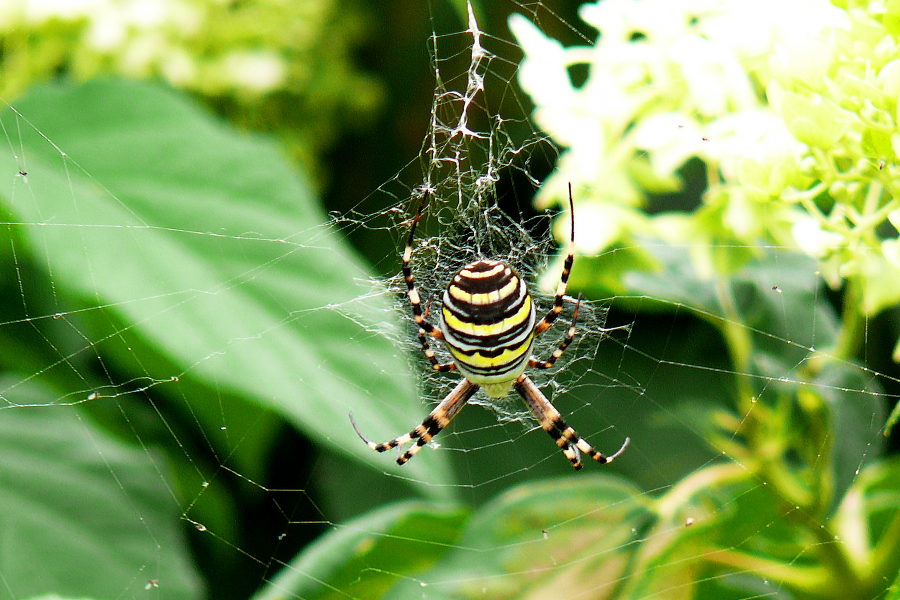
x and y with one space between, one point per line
269 64
837 93
790 104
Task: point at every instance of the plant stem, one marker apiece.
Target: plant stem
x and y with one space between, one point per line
853 322
886 556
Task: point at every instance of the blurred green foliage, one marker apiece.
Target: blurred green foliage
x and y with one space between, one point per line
286 68
178 306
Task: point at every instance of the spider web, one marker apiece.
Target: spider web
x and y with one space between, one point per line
168 336
468 150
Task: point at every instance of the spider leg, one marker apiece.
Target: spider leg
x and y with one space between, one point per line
412 293
429 354
439 418
551 316
552 422
570 335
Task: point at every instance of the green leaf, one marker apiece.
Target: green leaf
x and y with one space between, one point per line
641 171
575 532
813 121
856 407
601 276
877 144
754 178
56 597
84 514
889 78
716 508
206 246
868 524
525 541
895 413
891 18
894 590
771 291
776 313
366 557
879 279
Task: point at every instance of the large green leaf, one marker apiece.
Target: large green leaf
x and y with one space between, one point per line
578 533
205 247
868 524
83 514
722 533
365 557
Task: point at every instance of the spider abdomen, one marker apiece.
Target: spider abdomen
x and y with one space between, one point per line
488 323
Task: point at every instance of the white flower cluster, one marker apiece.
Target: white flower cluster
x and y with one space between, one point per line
145 37
667 82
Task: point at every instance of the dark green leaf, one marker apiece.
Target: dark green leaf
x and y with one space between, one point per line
579 530
367 556
210 249
892 419
856 407
574 534
83 514
766 293
868 523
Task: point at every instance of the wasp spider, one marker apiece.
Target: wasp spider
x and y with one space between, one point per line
488 324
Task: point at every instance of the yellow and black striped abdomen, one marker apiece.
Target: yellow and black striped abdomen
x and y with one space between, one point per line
488 324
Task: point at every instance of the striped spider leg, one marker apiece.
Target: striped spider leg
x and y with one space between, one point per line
439 418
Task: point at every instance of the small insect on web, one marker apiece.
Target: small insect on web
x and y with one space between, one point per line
488 324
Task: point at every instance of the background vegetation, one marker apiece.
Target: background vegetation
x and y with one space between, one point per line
178 312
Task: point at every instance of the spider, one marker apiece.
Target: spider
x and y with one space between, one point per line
488 325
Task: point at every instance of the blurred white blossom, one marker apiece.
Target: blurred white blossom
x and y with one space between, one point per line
791 105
